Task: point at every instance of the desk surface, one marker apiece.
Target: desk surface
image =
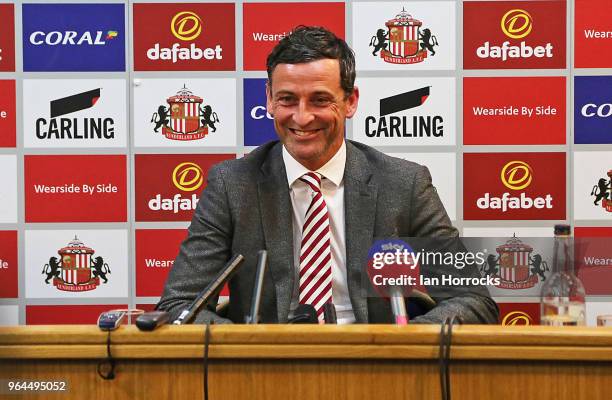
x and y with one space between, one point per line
309 342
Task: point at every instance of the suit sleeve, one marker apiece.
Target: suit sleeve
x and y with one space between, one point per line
203 253
473 304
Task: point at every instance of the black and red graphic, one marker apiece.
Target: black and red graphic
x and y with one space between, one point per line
76 269
76 102
185 118
404 41
403 101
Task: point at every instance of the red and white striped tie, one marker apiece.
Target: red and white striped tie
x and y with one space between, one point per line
315 253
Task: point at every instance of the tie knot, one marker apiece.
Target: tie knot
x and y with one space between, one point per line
312 179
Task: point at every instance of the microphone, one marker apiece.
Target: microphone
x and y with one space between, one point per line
209 291
262 263
398 305
304 314
329 313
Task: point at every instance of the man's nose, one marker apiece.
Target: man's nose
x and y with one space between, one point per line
303 115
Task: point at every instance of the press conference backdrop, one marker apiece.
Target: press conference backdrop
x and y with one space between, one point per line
112 112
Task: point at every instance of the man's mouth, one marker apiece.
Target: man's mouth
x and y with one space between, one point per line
304 133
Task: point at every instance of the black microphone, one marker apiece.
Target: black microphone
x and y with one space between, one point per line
209 291
262 263
329 313
304 314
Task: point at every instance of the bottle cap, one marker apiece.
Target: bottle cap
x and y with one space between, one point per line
562 229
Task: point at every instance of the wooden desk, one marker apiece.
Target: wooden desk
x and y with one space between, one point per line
314 362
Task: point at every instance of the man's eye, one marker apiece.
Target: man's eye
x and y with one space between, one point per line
286 100
322 101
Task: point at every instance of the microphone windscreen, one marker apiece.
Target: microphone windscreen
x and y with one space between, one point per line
304 314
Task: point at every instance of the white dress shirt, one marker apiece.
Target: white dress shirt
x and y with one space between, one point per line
332 188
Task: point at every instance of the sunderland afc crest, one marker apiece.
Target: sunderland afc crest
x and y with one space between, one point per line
76 269
404 41
185 118
515 265
603 192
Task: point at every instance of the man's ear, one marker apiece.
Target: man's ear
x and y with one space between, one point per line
269 107
351 103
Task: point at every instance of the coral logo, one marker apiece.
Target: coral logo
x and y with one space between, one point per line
73 37
517 318
186 25
516 175
188 176
516 24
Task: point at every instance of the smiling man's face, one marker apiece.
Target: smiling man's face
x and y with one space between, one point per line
310 109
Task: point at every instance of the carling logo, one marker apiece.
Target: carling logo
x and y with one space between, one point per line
75 113
267 23
258 123
75 188
184 36
521 110
514 186
405 110
168 186
73 37
7 38
593 109
516 34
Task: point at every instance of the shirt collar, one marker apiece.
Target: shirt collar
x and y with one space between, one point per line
333 170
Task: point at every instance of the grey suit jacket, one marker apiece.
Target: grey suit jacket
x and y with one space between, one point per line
246 207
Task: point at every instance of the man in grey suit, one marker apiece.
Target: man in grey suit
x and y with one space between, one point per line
262 201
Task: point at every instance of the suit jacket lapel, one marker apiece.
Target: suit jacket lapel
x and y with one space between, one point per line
275 206
360 197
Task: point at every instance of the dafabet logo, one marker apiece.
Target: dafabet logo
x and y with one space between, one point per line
514 186
514 34
168 186
184 37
